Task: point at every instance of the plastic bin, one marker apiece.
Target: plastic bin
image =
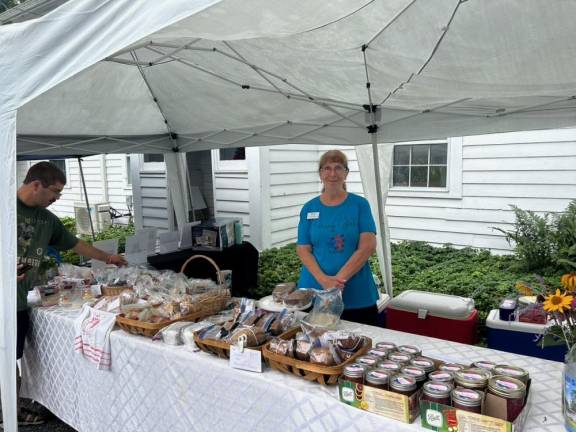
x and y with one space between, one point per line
441 316
520 338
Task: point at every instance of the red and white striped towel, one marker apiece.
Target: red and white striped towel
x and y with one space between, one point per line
92 336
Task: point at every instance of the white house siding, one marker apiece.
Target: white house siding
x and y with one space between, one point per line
231 189
106 182
532 170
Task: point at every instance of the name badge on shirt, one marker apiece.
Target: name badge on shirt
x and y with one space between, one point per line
313 215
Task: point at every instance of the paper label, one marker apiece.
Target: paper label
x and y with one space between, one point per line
96 290
246 359
434 418
471 422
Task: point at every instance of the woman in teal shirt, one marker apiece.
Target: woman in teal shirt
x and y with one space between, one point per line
336 237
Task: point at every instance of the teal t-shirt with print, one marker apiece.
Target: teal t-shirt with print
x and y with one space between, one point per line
38 228
334 234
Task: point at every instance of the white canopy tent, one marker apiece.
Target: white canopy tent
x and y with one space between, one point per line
125 76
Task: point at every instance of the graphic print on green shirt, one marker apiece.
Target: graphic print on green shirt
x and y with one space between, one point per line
37 229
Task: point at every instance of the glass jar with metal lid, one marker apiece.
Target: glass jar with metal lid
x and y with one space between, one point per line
378 378
467 400
400 357
472 378
403 384
437 392
419 374
367 360
376 352
441 376
410 349
512 372
389 365
451 367
423 362
484 364
354 372
511 389
388 346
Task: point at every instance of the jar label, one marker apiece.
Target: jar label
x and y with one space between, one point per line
347 394
354 369
390 366
424 363
377 374
366 361
510 371
451 368
409 349
506 385
485 365
386 345
472 377
413 371
441 376
399 357
403 381
376 352
437 387
467 395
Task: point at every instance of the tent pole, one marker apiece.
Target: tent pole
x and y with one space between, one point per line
86 198
387 276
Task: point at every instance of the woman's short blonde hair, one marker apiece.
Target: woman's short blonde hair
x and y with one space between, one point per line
333 156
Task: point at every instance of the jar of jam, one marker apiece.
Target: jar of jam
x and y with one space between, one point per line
467 400
367 360
378 378
437 392
388 346
483 364
354 372
424 363
511 389
450 367
389 365
403 384
472 378
417 373
441 377
512 372
399 357
410 349
376 352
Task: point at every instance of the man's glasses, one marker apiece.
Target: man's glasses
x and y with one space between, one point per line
55 191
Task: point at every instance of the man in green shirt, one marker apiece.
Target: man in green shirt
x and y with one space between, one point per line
39 228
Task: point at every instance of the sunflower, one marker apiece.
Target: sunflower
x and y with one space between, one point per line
558 302
524 289
569 281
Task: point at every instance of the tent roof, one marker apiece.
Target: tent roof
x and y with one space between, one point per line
264 72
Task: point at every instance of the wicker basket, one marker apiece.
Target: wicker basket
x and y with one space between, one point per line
111 290
326 375
149 329
219 348
215 300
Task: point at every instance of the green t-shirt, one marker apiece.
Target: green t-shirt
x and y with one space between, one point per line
38 228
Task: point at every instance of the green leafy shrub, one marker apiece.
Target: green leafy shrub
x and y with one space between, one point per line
119 232
275 266
566 238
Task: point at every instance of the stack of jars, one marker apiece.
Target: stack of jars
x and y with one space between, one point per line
403 370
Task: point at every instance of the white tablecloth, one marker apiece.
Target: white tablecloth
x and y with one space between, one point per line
156 387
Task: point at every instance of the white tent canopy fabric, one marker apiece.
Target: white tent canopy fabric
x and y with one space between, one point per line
104 76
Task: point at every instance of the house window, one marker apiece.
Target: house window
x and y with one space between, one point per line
420 166
159 157
230 159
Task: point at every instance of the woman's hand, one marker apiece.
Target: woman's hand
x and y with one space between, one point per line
329 282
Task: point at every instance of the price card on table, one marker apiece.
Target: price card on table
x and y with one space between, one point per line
245 359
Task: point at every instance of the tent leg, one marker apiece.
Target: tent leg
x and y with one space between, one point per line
86 198
387 274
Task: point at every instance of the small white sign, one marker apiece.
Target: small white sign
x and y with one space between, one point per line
96 290
246 359
169 241
313 215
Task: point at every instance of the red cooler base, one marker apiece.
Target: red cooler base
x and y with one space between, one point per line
463 331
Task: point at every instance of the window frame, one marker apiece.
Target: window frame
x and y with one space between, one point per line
151 167
453 188
229 165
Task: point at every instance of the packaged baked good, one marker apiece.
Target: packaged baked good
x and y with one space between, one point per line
251 336
282 347
302 350
299 298
282 290
323 356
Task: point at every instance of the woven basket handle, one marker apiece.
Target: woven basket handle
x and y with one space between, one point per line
210 260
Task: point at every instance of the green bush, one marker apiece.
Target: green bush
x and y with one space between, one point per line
465 272
119 232
544 244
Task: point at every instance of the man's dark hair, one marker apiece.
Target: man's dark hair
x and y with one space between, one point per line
47 173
